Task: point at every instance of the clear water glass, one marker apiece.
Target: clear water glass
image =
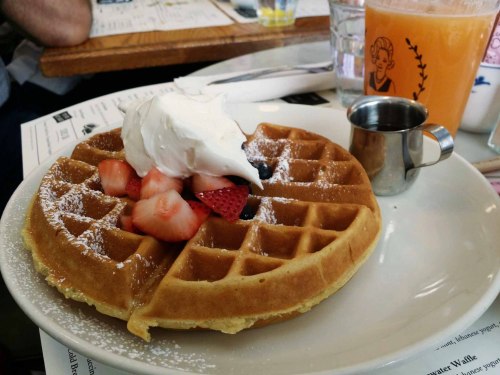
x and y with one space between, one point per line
494 139
347 40
275 13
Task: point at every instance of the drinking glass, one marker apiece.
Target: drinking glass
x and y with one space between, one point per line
347 40
428 51
276 12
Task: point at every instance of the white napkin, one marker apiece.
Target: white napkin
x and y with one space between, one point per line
268 87
25 67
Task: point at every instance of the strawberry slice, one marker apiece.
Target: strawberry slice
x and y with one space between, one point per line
228 201
155 182
115 175
166 216
126 224
133 188
204 182
201 210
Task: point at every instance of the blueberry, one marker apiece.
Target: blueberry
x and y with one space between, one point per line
265 171
247 213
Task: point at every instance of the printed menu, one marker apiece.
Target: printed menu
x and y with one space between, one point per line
120 17
475 350
111 17
46 135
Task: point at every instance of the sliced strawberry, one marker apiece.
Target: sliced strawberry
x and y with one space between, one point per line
166 216
155 182
228 202
115 175
204 182
133 188
201 210
127 224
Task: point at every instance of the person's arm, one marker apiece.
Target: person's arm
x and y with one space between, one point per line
53 23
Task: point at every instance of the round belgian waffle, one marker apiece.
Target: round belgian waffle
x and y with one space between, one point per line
313 225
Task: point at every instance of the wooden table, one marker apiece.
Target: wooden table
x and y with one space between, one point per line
158 48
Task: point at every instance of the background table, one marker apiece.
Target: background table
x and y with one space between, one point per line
157 48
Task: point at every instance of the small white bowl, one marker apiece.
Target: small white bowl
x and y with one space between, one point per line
483 106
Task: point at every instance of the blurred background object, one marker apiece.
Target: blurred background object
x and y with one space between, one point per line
275 13
483 106
347 39
245 4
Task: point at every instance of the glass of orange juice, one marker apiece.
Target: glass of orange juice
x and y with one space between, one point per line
428 51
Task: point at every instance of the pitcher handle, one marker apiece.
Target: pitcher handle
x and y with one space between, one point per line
444 139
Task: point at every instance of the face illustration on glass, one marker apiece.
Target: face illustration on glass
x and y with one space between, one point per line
381 62
381 53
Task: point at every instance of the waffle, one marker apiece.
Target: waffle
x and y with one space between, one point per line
314 223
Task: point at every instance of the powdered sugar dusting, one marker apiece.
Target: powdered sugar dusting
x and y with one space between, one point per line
266 212
252 151
282 169
262 148
61 201
94 240
105 334
97 336
72 202
147 262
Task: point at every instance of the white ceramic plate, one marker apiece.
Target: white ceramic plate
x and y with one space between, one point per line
434 272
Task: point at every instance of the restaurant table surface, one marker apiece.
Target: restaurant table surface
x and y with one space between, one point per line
470 146
158 48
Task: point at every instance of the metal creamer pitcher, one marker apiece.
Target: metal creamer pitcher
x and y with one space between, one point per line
387 139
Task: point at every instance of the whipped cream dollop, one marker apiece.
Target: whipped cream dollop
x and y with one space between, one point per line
185 135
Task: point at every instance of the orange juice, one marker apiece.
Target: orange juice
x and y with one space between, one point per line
425 56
